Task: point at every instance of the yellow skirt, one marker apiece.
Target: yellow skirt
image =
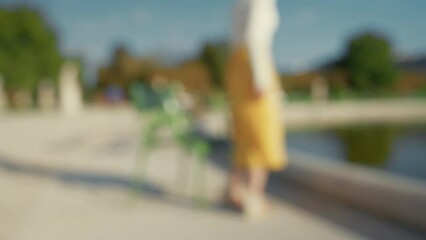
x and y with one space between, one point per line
258 128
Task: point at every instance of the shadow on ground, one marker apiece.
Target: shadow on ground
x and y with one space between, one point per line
144 189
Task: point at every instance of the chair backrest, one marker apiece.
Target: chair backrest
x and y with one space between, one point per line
144 97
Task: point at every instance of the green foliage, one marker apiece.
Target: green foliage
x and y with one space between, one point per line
217 100
299 96
420 93
214 56
369 63
28 49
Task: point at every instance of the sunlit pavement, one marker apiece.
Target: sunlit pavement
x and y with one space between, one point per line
70 178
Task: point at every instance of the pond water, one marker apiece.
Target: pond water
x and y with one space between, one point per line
400 150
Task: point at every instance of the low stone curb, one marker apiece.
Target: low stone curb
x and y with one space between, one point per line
391 196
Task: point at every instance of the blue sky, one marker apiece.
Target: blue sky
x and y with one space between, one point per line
311 31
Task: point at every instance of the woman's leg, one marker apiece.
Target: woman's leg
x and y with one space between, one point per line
236 188
257 181
256 205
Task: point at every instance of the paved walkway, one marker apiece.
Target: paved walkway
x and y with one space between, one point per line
69 178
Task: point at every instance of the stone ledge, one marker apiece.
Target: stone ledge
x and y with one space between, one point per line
391 196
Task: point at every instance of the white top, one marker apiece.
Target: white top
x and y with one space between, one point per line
255 23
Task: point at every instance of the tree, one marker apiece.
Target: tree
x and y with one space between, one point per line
214 56
29 51
369 63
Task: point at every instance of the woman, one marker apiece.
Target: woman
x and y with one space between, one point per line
254 94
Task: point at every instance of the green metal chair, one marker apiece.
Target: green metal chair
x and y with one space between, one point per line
161 109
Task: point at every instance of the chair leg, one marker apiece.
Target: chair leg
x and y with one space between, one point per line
140 172
182 171
201 151
200 182
141 165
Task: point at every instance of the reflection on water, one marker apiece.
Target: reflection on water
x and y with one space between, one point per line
399 150
367 145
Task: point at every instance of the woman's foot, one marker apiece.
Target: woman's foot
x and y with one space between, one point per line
236 189
256 207
235 198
